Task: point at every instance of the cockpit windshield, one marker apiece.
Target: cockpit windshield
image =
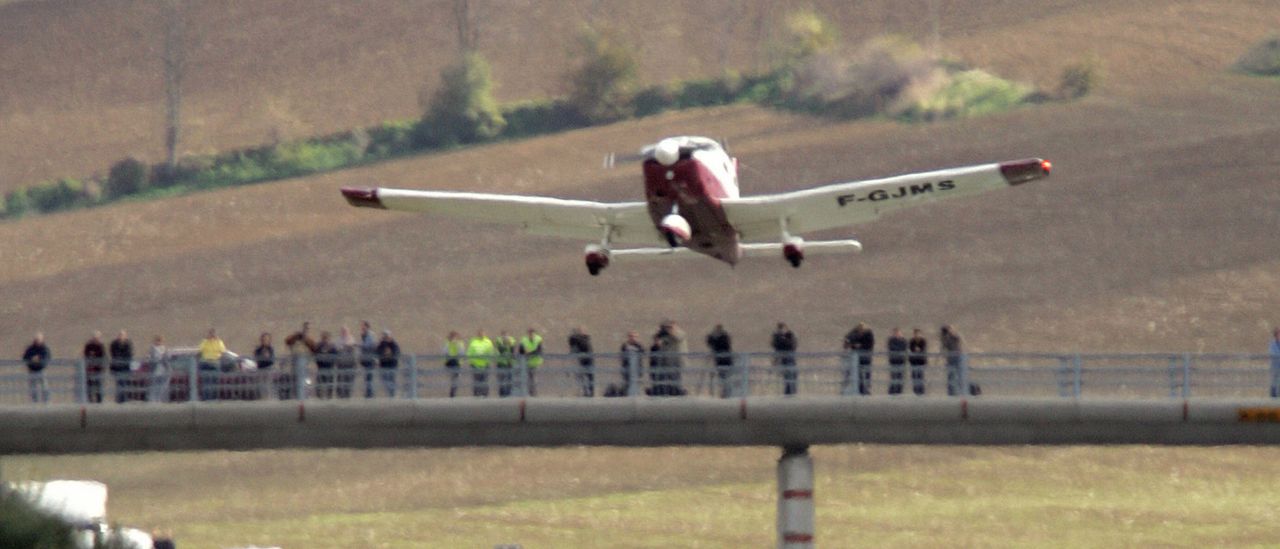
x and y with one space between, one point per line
687 144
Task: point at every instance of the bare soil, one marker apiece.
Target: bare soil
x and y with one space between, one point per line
1159 216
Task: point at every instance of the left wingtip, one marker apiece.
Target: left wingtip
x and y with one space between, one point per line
363 197
1018 172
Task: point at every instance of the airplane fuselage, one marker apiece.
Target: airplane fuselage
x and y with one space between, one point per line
691 186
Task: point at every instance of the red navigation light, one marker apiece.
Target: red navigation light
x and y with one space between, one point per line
1018 172
363 197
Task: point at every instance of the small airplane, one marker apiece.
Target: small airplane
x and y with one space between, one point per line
692 205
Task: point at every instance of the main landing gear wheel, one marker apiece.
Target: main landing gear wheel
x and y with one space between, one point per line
795 261
672 241
593 269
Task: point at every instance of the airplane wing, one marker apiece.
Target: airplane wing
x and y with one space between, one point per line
581 219
843 204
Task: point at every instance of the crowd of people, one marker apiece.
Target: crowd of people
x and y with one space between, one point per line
156 376
338 360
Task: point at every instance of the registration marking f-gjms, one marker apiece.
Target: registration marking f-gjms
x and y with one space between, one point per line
901 192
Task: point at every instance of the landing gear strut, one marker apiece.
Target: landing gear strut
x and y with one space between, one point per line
793 253
792 246
597 255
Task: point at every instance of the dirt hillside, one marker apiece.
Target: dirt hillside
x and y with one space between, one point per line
83 80
1156 231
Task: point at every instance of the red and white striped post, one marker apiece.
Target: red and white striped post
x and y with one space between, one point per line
795 498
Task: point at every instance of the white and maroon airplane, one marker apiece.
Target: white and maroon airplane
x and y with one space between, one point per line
692 205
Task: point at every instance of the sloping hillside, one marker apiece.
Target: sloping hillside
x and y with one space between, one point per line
1161 209
83 84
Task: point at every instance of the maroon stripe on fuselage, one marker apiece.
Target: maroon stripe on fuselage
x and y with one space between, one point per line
697 192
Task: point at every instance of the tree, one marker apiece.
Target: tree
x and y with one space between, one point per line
805 34
174 60
468 34
1080 78
462 110
128 176
1263 59
603 86
16 203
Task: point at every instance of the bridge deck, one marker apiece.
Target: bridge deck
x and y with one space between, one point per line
771 421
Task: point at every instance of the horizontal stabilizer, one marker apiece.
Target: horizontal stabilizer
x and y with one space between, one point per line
650 253
762 249
811 247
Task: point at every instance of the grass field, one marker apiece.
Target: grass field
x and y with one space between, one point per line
691 497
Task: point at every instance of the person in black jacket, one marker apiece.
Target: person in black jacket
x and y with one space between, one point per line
656 367
897 348
121 360
264 355
94 363
866 347
388 352
721 346
918 347
37 357
860 342
784 343
580 346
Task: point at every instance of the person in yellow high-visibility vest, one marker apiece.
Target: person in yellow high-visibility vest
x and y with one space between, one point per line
531 352
454 349
211 350
480 353
505 345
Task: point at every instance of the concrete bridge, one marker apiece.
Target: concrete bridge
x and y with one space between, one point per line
791 423
1146 403
635 422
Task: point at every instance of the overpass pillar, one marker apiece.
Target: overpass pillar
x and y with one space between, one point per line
795 498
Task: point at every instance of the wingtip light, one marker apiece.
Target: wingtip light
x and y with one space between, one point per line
363 197
1018 172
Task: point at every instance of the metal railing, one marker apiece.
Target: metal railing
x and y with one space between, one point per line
654 375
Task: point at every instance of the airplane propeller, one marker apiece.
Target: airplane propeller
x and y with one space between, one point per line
667 151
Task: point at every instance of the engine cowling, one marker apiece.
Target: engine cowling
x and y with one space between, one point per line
677 226
597 258
793 251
